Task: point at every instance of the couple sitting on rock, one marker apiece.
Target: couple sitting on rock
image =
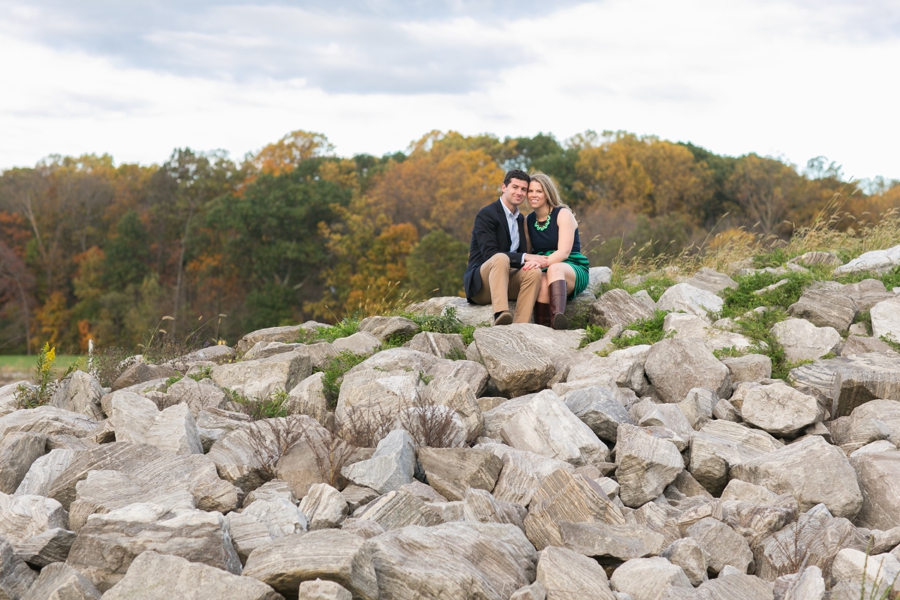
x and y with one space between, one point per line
536 261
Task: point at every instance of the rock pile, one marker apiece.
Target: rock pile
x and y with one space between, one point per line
530 470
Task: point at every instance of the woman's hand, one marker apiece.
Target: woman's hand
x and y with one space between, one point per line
537 258
531 264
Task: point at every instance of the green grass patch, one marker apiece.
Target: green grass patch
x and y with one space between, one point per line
334 374
891 341
742 299
757 326
344 328
172 381
649 331
773 258
729 352
201 374
271 407
592 333
655 286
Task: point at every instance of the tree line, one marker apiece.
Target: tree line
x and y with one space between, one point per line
91 250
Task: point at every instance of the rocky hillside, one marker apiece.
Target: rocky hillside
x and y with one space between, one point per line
722 435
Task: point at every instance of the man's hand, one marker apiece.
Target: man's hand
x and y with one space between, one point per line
540 260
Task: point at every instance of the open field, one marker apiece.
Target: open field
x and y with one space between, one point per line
16 367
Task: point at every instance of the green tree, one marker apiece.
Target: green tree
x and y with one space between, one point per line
436 265
127 253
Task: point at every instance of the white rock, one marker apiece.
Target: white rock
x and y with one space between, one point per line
886 319
877 261
546 426
690 299
804 341
392 465
779 409
648 578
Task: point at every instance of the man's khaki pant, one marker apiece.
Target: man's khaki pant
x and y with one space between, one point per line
499 283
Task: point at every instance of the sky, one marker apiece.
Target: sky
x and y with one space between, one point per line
793 79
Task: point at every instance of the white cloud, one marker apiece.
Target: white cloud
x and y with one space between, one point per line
782 79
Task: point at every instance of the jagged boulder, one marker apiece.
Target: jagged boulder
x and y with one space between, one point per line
779 409
804 341
787 471
675 366
618 307
825 308
263 377
453 561
692 300
645 465
878 475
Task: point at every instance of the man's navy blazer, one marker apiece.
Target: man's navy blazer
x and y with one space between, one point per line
490 236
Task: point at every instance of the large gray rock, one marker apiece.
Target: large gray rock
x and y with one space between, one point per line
59 581
23 518
251 455
750 367
712 281
544 425
44 471
516 357
692 300
886 319
264 521
480 506
722 545
285 334
324 506
648 578
17 453
874 575
808 584
779 409
358 343
645 465
522 473
622 542
625 367
867 293
81 393
197 395
453 561
687 554
564 496
875 261
878 475
599 409
862 344
262 378
141 372
154 467
104 491
323 590
804 341
719 446
852 387
618 307
49 420
675 366
817 379
155 576
137 420
108 543
825 308
452 471
327 554
680 325
566 574
399 509
815 538
392 465
385 327
787 471
15 576
442 345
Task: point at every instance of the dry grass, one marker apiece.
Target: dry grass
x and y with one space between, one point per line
832 231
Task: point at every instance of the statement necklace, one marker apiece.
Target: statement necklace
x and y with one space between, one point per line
544 226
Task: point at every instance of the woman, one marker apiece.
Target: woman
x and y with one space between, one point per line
553 232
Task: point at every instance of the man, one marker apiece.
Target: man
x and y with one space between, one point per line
497 255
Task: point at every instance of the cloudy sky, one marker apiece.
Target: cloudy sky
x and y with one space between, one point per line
788 78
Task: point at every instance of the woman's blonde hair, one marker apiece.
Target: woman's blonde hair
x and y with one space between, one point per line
550 190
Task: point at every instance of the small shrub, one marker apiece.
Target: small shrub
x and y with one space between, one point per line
865 317
44 386
172 381
741 299
106 364
271 407
592 333
365 426
891 341
729 352
270 440
202 373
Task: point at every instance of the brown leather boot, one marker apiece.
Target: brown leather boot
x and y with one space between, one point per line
558 305
542 314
